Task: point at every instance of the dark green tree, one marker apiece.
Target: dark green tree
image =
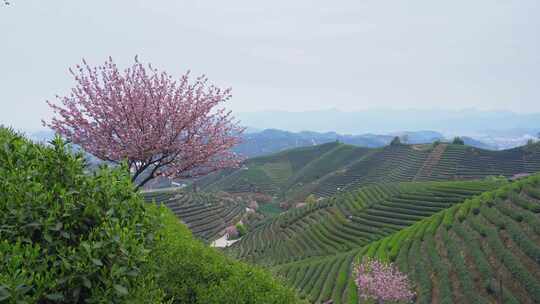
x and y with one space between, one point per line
396 141
458 141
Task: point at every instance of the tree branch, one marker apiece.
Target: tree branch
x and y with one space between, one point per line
149 177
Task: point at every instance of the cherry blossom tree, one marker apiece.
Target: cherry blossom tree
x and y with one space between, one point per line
158 125
382 282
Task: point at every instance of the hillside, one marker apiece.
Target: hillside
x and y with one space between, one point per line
67 236
206 215
351 220
461 253
327 169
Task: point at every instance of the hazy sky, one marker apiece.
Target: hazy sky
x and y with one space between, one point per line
284 55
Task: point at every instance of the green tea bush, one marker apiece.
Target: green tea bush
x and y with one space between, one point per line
434 223
71 237
341 280
330 281
475 205
487 276
463 210
533 192
396 244
511 262
190 272
382 251
421 272
521 215
524 203
440 268
448 218
372 249
457 260
66 236
528 246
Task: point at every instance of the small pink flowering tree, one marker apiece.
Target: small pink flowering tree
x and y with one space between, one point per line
382 282
159 125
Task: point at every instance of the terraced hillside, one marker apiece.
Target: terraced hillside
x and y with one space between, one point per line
276 173
351 220
476 251
206 215
327 169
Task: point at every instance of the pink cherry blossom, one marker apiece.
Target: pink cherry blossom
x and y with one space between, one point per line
382 282
159 125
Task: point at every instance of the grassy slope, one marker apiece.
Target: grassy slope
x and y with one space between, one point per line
333 167
457 255
192 272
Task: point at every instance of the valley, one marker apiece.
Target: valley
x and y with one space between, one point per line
462 222
270 152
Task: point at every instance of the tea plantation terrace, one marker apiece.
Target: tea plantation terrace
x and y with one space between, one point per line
327 169
351 220
460 254
206 215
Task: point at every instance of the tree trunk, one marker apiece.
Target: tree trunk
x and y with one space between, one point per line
146 179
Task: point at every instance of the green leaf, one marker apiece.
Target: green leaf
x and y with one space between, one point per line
121 290
86 282
57 227
132 273
22 289
33 224
97 262
86 247
76 292
55 296
4 293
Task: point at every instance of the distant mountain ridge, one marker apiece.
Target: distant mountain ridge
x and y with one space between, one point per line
259 143
465 122
270 141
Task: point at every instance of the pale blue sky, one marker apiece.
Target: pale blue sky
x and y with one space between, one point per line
284 55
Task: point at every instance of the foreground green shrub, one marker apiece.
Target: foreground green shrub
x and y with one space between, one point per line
66 236
69 237
190 272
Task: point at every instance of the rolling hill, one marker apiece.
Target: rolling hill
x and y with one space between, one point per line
206 215
351 220
330 168
457 243
460 234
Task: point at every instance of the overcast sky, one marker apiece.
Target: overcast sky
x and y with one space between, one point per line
284 55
